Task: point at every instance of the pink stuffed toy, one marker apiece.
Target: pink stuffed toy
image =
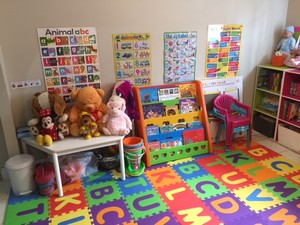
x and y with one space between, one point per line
118 122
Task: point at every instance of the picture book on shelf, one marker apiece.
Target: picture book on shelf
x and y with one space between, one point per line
187 90
193 136
149 95
153 110
168 93
171 110
187 105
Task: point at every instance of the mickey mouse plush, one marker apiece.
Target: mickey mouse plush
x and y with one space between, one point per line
49 131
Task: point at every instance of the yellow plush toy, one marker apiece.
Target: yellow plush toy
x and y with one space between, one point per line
88 127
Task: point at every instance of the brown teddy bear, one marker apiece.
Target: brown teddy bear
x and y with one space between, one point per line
87 99
56 104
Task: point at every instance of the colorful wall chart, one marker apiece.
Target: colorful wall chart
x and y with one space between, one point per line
223 51
132 58
179 56
69 58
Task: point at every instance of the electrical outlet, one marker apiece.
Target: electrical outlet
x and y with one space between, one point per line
26 84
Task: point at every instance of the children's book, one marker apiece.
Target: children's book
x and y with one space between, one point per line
153 110
149 95
187 90
187 105
171 110
193 136
168 93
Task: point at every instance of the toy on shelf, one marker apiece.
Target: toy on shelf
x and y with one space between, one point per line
49 131
88 127
56 104
118 122
287 42
87 99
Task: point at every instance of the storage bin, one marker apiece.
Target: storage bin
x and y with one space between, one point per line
288 137
20 169
264 125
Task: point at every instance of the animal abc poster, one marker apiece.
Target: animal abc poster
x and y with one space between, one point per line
69 59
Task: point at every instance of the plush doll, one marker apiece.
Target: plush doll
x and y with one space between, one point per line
87 99
88 127
56 104
49 131
118 122
287 42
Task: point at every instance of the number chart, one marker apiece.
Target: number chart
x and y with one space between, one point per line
132 58
69 59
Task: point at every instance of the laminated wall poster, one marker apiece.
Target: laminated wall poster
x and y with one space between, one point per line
179 56
69 59
132 58
223 51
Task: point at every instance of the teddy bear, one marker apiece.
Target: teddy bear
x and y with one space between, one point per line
118 122
87 99
49 131
56 104
88 127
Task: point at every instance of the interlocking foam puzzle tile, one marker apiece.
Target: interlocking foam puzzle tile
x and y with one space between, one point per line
26 212
206 186
207 189
103 192
164 218
281 165
257 198
189 170
287 213
134 185
71 201
284 189
95 178
162 176
145 204
115 211
81 217
227 207
257 172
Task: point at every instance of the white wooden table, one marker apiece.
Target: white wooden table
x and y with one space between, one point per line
71 145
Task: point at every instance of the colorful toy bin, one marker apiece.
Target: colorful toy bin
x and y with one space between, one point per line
45 178
134 149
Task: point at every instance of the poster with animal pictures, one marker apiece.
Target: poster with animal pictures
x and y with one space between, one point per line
69 58
132 58
223 51
179 56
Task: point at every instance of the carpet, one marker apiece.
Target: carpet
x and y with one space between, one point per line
244 186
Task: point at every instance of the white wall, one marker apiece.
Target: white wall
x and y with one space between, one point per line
293 13
263 22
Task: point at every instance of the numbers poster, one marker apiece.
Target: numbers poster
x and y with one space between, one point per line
223 51
179 56
69 58
132 58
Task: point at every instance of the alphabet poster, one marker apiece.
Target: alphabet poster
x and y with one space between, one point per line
132 58
179 56
69 59
223 51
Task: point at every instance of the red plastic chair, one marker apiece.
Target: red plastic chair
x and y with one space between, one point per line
234 117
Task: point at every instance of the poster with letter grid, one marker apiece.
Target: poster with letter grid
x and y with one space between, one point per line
69 58
223 51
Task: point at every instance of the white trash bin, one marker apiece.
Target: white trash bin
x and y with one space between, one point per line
20 169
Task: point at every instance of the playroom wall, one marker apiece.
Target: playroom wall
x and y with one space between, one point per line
263 22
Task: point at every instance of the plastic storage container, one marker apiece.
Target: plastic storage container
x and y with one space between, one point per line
45 178
20 169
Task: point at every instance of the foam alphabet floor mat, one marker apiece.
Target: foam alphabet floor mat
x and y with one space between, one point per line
244 186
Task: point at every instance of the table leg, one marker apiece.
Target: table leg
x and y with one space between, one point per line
57 173
122 163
